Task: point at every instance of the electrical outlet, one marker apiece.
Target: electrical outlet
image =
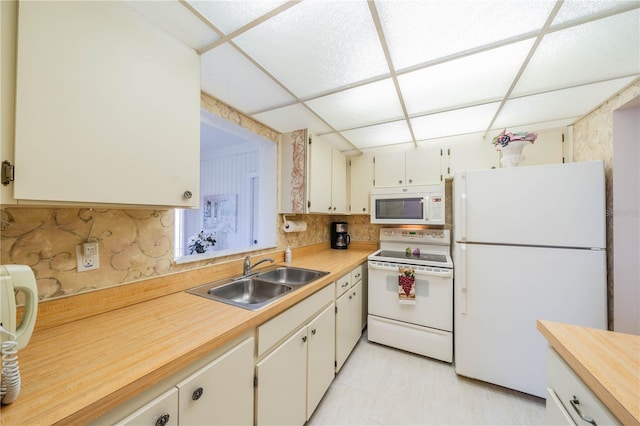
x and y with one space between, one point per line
87 257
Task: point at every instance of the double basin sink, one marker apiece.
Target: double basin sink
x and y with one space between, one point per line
257 290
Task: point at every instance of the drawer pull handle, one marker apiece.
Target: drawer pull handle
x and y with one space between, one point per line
304 339
313 331
574 404
197 394
163 420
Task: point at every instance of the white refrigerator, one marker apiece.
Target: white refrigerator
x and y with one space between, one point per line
529 244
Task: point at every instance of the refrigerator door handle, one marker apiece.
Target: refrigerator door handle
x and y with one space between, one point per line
463 207
461 270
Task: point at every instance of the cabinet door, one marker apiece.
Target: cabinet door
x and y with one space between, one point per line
423 165
222 392
162 410
281 395
356 313
348 323
360 183
319 177
547 149
388 169
338 182
116 116
474 154
320 359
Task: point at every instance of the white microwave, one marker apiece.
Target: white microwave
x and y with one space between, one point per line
419 205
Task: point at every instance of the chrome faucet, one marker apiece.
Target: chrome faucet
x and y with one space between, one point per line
248 267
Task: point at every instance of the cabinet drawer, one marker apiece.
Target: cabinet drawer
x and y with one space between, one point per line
165 406
343 284
356 275
566 384
280 326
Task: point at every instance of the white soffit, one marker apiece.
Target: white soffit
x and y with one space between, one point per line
368 104
600 50
317 46
459 121
293 117
227 75
421 31
177 20
391 133
228 16
484 77
565 103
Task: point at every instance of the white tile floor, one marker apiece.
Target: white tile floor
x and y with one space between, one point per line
379 385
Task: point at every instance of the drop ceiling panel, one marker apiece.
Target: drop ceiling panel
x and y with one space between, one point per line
337 141
422 31
317 46
600 50
177 20
293 117
227 75
394 132
228 16
479 78
559 104
368 104
460 121
572 10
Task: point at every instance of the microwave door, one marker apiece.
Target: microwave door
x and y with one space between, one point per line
395 210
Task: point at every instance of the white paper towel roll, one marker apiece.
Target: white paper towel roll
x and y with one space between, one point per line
294 226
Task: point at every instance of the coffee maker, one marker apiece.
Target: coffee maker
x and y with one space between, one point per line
340 239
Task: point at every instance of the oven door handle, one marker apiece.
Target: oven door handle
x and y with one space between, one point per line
444 274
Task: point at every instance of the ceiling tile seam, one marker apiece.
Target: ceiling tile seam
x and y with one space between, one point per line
573 86
392 71
228 37
201 17
592 18
525 63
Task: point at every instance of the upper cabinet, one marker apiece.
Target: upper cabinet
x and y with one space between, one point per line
360 178
414 167
313 175
107 108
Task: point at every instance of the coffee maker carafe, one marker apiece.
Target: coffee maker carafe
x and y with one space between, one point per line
340 238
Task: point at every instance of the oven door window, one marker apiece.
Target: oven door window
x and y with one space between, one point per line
400 208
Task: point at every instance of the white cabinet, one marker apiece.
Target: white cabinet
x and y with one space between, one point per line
414 167
569 399
216 390
220 393
469 155
297 360
115 119
349 314
161 411
313 175
360 178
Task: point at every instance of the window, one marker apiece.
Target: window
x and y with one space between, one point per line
237 194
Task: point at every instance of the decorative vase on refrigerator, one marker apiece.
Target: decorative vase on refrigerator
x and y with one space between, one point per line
529 244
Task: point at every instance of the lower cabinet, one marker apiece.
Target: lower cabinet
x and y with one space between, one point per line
292 379
569 399
348 323
218 393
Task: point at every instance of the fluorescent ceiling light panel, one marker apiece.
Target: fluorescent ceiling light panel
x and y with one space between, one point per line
459 121
423 31
228 16
382 134
293 117
559 104
359 106
177 20
317 46
600 50
227 75
572 10
479 78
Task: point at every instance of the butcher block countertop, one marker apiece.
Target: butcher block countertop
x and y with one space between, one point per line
607 362
92 352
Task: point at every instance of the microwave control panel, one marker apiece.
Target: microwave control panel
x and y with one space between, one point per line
436 208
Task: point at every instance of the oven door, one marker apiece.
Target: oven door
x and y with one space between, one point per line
434 295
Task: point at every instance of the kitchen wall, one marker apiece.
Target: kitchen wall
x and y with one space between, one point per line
593 140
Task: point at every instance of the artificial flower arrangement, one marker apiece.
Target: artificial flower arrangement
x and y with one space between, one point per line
504 138
200 243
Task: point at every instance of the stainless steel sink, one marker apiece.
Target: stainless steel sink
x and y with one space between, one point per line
257 290
249 293
291 275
